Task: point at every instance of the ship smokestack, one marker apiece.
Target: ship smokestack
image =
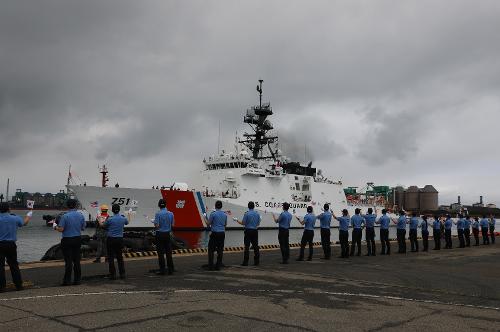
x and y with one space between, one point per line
459 200
481 199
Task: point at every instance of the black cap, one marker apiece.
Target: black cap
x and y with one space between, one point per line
218 205
309 209
71 203
115 208
286 206
162 203
4 208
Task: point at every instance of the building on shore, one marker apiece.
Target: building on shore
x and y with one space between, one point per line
414 198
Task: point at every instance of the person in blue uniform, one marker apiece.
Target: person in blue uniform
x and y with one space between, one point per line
475 230
283 221
114 228
343 233
9 223
325 220
308 235
370 218
164 222
492 228
357 223
71 225
384 222
424 225
448 224
401 232
251 221
467 224
436 232
217 222
484 223
460 230
414 222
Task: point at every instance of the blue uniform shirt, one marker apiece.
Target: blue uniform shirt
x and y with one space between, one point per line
460 223
448 224
309 221
251 219
436 224
402 222
325 219
384 221
8 227
73 223
484 223
284 220
475 224
414 223
467 224
218 220
370 220
425 226
357 221
115 225
165 220
344 223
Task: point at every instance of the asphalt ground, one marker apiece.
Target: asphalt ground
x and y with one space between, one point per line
447 290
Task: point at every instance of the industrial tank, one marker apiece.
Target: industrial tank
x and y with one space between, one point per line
428 198
412 198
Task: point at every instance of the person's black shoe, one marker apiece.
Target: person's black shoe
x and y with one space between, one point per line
244 264
368 255
300 259
284 262
112 277
170 272
382 253
359 254
161 273
256 264
97 260
2 290
77 282
374 254
64 283
217 268
122 276
19 288
310 259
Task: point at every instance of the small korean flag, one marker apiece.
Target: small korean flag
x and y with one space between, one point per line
30 204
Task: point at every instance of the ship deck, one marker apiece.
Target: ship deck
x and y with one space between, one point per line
440 290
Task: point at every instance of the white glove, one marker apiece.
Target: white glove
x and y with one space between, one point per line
205 214
130 210
54 225
152 220
235 219
29 214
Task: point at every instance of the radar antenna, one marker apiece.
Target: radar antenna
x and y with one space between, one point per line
256 118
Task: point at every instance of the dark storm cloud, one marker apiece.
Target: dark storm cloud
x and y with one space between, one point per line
130 81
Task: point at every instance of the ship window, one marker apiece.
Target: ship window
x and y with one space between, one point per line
297 186
305 187
296 178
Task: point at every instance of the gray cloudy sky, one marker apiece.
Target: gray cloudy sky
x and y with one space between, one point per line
395 92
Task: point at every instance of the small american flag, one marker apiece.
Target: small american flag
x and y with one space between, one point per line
94 205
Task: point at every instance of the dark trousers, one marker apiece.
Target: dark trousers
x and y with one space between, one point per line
71 251
425 240
344 243
164 247
216 243
475 231
283 239
114 249
467 236
484 233
356 240
370 240
436 234
492 234
251 237
307 238
413 240
447 239
401 235
325 242
8 251
461 238
386 244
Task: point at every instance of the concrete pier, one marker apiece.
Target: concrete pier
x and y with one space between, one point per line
447 290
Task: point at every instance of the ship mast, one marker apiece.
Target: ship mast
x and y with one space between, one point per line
256 118
104 176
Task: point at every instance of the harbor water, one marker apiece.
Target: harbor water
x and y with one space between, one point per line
36 238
